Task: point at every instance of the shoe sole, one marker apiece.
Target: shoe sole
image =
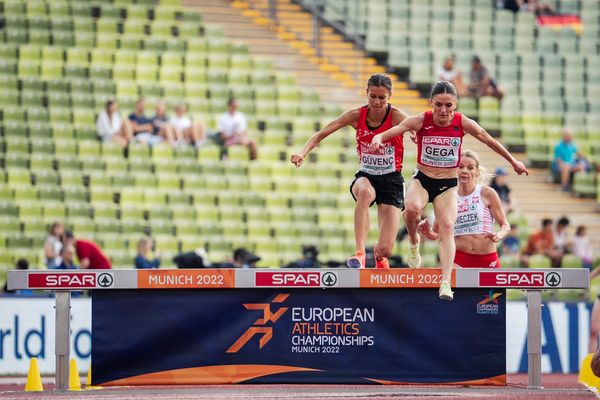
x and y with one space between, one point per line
446 297
353 263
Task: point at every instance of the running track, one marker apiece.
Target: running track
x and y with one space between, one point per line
557 387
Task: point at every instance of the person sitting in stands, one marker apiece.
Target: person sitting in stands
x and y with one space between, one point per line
142 260
89 253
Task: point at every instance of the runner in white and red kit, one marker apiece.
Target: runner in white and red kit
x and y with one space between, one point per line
439 140
379 179
479 206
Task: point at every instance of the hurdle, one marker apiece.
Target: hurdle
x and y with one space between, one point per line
533 281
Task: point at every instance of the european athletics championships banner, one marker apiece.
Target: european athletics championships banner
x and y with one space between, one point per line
286 335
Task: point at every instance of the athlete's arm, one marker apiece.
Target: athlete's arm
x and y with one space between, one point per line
472 127
348 118
413 123
492 200
398 116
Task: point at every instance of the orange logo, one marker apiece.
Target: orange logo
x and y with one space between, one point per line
259 327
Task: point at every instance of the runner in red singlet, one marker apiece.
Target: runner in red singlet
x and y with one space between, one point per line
379 179
478 207
439 139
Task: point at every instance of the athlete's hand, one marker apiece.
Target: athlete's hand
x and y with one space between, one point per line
413 136
494 237
425 229
376 144
520 168
297 160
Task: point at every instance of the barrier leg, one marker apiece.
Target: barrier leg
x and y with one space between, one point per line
62 339
534 339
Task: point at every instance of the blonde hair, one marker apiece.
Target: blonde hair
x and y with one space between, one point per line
482 176
142 242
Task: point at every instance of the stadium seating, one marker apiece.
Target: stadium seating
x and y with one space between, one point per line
61 61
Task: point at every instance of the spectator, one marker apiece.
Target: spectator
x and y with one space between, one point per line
68 258
448 73
539 9
568 160
500 185
54 245
542 242
161 126
582 247
561 237
482 83
242 258
511 245
110 126
89 253
233 129
310 258
511 5
142 127
142 260
192 259
186 130
22 264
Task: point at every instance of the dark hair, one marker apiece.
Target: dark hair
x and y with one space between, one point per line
69 235
442 87
22 263
546 222
109 103
380 80
580 230
563 221
230 101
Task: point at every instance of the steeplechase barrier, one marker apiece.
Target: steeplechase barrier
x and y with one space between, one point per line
196 326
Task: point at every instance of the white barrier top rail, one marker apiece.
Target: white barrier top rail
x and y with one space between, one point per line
523 278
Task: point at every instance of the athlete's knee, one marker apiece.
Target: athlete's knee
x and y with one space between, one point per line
365 195
446 227
412 211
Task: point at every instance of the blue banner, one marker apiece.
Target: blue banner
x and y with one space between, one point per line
298 336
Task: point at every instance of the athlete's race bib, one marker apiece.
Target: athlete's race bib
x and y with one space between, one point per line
383 162
440 151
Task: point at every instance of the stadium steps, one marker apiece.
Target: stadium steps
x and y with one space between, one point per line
291 52
263 41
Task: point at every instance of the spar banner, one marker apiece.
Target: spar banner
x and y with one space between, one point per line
169 337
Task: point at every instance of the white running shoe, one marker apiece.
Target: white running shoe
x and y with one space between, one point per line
446 292
414 258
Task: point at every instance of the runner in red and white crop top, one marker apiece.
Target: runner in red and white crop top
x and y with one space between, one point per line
379 179
435 180
381 161
439 146
477 208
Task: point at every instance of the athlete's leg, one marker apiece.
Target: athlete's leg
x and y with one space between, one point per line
364 193
445 210
388 217
594 327
415 201
389 221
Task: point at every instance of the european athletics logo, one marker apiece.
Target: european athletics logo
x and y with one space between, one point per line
259 327
489 304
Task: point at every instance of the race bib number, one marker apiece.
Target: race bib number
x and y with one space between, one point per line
440 151
383 162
